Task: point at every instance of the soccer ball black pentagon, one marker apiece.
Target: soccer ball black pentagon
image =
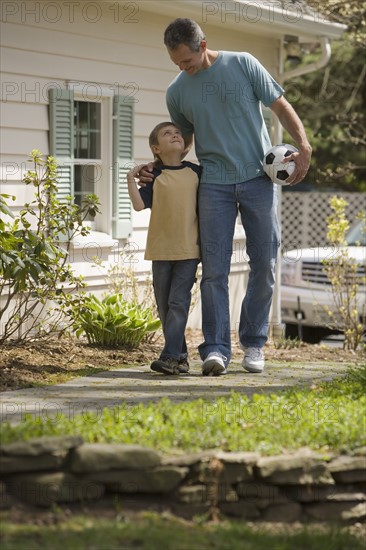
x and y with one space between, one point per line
274 168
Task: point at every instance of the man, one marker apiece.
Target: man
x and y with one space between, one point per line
216 98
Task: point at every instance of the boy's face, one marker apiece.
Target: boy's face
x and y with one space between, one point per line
169 139
187 60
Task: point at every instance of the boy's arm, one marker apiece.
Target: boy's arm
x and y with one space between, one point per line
137 202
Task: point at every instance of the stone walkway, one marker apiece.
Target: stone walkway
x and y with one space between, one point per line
131 385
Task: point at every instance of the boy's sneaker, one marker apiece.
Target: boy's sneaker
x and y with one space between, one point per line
213 365
183 366
166 366
253 360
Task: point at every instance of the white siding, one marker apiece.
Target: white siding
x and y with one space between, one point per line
48 44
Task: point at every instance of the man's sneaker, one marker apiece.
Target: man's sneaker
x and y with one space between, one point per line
213 365
166 366
253 360
183 366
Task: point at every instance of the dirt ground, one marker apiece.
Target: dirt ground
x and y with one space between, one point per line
40 362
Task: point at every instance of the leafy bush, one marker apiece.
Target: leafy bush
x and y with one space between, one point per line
124 280
113 322
34 272
342 274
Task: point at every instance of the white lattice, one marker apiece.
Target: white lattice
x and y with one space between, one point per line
303 216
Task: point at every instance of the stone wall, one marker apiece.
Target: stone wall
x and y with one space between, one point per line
303 486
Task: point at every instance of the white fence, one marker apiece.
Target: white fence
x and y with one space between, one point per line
303 216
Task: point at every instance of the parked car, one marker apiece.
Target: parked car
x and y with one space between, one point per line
306 290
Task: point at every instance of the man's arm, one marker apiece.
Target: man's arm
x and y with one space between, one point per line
137 202
293 125
144 173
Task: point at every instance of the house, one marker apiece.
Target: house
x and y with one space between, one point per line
85 81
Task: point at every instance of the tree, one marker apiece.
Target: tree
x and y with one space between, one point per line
332 102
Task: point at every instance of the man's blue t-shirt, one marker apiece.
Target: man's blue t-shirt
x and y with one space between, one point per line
221 107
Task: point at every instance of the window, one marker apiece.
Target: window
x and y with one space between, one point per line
88 138
87 149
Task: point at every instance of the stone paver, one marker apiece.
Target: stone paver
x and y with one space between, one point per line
127 386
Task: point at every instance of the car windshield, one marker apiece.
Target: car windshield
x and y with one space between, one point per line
356 235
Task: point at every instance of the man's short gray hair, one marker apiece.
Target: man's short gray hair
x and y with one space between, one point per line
183 31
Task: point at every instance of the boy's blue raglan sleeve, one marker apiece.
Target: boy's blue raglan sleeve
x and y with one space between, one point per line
146 194
196 168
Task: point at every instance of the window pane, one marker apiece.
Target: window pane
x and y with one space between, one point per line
84 182
94 116
77 179
87 123
82 107
94 143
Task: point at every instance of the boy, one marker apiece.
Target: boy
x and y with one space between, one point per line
172 240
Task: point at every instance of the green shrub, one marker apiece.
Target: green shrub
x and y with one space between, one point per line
113 322
35 276
342 275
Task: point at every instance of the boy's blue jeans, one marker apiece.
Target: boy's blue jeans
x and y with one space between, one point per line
173 282
219 204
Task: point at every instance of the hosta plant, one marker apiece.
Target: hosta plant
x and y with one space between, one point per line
113 322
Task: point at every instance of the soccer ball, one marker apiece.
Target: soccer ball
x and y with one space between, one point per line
274 168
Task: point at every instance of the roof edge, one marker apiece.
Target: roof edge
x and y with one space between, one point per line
255 15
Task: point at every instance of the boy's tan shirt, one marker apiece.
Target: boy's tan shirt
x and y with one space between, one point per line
173 229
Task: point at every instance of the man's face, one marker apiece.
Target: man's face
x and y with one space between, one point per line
187 60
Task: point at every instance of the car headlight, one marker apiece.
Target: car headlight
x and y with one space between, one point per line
288 273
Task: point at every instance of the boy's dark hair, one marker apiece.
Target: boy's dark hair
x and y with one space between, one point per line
183 31
153 137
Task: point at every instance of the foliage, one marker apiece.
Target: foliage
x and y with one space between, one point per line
124 280
324 417
35 278
113 322
358 374
342 274
102 529
332 102
347 12
287 343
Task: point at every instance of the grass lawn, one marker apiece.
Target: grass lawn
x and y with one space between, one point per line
149 531
326 417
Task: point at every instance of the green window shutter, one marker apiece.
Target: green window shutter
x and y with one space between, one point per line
122 162
61 113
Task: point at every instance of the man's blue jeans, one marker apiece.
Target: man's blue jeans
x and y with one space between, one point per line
173 282
256 200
